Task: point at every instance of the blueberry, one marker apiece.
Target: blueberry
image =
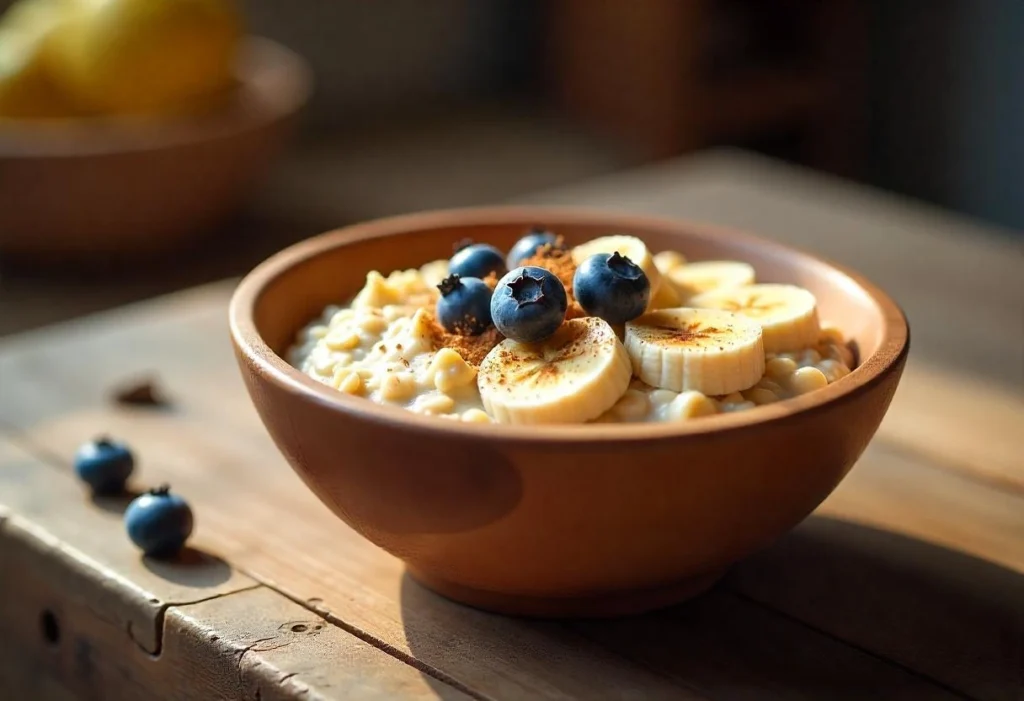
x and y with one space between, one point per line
531 242
104 464
528 304
464 306
158 522
612 287
477 260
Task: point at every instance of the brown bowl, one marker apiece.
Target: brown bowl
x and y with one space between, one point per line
99 186
559 520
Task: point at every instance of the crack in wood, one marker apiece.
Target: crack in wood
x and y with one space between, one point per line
161 614
383 645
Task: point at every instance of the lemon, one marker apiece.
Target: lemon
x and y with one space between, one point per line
147 56
27 88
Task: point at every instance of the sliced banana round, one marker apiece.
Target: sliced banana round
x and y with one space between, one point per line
572 377
694 278
629 246
666 296
706 350
668 260
788 314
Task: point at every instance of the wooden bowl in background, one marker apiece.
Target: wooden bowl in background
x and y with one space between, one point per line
100 186
559 520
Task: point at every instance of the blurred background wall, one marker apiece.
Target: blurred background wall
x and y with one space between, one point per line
948 104
936 113
924 97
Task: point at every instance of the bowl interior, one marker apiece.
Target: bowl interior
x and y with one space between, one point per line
332 268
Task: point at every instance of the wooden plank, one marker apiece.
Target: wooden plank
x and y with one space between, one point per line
965 423
922 567
958 280
250 644
730 631
275 649
886 564
731 648
256 514
133 592
359 587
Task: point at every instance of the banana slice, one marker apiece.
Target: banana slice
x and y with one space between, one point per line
693 278
788 315
707 350
629 246
667 296
572 377
668 260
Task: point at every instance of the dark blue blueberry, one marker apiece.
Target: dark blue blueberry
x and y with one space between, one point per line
477 260
531 242
464 306
612 287
104 464
528 304
158 522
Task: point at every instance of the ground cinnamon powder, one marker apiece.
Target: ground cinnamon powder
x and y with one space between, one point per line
471 348
559 262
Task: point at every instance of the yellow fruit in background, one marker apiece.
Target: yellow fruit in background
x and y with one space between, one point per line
147 56
27 89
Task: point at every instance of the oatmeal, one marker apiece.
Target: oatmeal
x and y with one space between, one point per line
627 337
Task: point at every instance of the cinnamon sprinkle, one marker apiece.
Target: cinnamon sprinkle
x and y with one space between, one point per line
685 334
559 262
473 349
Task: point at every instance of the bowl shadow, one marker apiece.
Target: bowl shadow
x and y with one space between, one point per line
834 608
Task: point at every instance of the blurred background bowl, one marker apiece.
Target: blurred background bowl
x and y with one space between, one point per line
86 188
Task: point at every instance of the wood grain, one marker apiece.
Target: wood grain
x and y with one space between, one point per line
252 644
80 534
253 512
271 648
959 421
920 566
208 638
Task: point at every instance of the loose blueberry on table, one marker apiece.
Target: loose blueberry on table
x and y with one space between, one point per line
612 287
464 306
528 304
105 465
534 240
477 260
159 522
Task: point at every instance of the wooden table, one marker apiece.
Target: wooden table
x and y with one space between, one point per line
907 583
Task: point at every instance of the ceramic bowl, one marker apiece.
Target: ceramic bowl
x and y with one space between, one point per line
560 520
71 189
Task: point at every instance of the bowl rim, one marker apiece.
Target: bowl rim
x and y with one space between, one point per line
274 83
891 353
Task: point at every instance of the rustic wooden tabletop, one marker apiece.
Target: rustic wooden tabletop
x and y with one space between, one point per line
907 583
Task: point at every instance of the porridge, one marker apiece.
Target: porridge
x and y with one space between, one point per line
602 332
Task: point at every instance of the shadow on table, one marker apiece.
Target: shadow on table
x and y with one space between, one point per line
114 503
190 567
835 609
